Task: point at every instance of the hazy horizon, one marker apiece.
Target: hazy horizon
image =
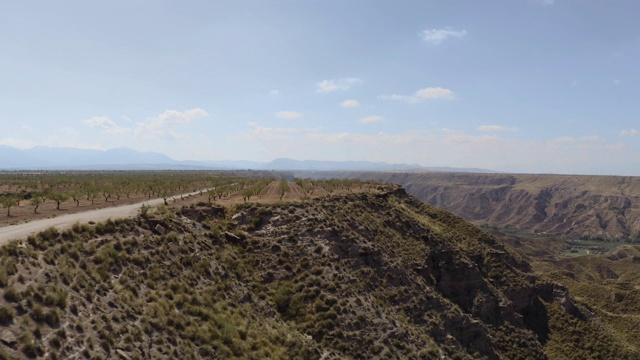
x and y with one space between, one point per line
533 86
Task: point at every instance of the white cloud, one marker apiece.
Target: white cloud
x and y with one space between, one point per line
630 132
163 125
494 128
288 115
275 92
371 119
106 124
434 93
430 93
350 103
177 117
546 2
326 86
436 36
17 143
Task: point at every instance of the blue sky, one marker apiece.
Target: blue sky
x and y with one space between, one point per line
535 86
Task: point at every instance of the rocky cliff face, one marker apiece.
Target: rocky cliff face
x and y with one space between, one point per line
559 205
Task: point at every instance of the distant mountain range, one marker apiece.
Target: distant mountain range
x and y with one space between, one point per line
59 158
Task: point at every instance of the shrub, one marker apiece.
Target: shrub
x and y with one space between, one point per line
11 294
50 234
207 351
6 315
4 278
37 313
57 297
55 342
10 265
288 303
144 211
29 349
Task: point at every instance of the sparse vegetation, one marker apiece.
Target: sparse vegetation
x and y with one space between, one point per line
287 280
18 189
564 206
283 187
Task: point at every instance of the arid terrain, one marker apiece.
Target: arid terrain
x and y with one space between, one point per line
567 206
284 279
262 268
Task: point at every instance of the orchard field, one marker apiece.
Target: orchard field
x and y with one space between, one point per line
26 196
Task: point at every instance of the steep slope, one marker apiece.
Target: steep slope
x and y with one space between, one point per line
560 205
363 276
607 284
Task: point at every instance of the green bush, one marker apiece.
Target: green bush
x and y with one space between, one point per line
11 294
4 278
6 315
30 349
37 313
288 302
57 297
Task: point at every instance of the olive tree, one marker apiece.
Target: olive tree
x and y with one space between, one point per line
36 201
58 198
9 201
283 187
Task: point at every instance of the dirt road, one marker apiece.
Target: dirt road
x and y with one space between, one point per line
63 222
269 194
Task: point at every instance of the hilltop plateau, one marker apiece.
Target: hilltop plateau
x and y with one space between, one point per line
374 274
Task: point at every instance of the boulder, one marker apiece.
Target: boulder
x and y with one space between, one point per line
8 338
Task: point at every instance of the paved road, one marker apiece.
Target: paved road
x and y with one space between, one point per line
66 221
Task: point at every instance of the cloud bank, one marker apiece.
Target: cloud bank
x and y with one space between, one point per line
161 126
436 36
350 103
430 93
327 86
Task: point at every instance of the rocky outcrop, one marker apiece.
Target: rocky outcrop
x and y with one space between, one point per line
560 294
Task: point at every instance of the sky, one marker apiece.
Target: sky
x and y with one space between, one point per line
528 86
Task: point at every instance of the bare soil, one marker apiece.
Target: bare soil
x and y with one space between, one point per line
25 212
66 220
